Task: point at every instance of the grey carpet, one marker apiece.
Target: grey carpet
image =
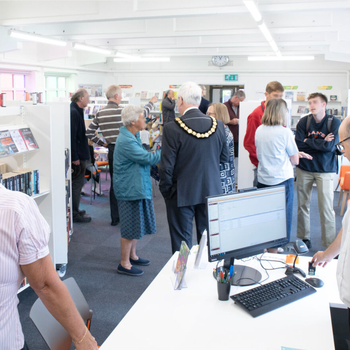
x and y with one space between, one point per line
94 254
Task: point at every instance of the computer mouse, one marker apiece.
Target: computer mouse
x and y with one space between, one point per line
315 282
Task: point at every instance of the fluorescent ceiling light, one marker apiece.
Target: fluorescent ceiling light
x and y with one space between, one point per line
35 37
253 9
125 55
91 48
274 46
281 58
265 31
142 59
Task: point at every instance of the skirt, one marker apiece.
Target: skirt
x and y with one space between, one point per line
136 218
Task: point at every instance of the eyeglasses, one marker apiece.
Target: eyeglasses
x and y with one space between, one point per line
339 145
208 113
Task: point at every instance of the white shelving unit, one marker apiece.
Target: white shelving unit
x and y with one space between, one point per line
50 125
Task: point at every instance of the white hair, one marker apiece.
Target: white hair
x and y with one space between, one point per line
112 91
131 114
191 93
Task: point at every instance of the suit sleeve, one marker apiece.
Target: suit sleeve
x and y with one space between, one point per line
73 135
323 145
167 162
249 139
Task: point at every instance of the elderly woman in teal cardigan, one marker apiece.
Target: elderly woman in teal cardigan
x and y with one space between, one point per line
133 189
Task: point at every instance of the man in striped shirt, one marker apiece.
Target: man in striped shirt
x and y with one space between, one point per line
109 120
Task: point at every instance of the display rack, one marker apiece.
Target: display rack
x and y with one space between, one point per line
50 125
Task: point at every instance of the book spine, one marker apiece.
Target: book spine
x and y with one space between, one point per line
5 183
30 184
37 182
18 187
1 182
34 182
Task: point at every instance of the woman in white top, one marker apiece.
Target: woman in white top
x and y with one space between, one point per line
277 152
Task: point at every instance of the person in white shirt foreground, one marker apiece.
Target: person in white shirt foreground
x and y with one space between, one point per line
341 245
24 251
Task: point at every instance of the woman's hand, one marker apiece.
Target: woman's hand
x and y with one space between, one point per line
304 155
88 343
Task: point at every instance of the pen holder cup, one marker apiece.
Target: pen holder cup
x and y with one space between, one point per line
224 291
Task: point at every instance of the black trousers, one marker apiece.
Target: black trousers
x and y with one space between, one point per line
180 220
236 149
77 185
112 200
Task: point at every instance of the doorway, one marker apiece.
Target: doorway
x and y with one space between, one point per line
222 93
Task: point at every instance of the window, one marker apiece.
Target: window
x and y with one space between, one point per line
55 87
13 85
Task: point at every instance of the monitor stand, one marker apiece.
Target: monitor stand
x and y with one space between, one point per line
245 275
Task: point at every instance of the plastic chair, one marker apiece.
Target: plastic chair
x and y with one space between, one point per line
93 183
55 336
343 170
104 163
345 188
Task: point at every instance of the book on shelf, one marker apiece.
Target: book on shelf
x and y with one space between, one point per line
150 94
29 138
157 94
7 145
137 94
333 97
301 96
301 109
289 95
18 140
344 112
22 180
332 111
144 94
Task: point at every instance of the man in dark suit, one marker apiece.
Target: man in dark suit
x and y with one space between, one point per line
204 105
193 148
79 150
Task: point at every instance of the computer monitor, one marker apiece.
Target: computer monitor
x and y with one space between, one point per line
244 224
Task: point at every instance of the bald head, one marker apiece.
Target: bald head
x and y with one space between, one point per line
344 133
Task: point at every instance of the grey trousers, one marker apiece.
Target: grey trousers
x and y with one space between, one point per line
77 185
324 182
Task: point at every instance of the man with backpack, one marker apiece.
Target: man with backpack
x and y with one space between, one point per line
317 135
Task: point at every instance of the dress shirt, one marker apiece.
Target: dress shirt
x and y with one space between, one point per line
24 236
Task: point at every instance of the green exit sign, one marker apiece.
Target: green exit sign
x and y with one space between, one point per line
231 77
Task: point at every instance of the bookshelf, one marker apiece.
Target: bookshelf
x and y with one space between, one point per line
50 125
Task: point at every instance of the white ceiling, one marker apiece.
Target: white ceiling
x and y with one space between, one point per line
185 28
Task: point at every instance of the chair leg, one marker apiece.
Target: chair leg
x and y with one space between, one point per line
340 193
345 194
91 189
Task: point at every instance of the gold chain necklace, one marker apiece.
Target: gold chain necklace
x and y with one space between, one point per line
195 133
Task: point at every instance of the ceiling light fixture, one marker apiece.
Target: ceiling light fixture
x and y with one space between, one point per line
142 59
125 55
89 48
253 9
281 58
36 37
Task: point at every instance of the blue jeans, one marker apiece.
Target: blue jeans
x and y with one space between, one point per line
289 185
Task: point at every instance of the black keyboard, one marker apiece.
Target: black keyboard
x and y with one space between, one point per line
273 295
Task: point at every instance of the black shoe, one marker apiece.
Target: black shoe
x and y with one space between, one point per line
82 212
140 262
80 218
115 223
132 272
307 243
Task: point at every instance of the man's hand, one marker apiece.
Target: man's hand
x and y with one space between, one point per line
105 144
321 258
153 99
76 162
304 155
235 121
329 137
